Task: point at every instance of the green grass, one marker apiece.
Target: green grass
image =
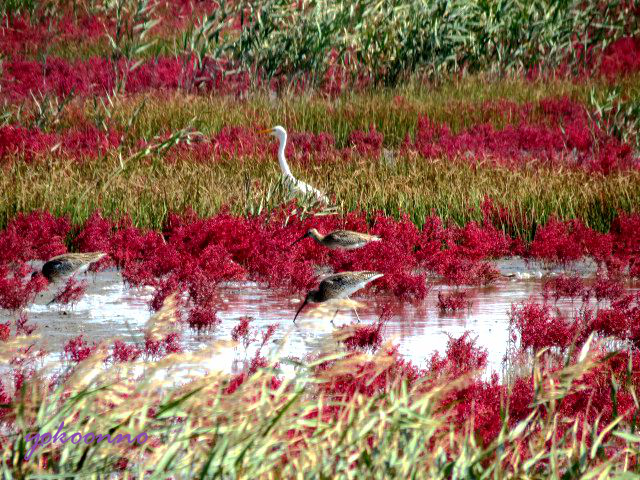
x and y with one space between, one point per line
393 112
461 103
147 189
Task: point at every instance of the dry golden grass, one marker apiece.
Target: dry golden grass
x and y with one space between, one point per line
148 189
394 112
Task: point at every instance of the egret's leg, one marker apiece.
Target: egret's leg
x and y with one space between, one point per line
357 316
334 317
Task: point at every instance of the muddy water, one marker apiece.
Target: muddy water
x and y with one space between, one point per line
111 310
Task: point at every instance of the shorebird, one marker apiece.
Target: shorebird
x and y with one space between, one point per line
340 239
523 275
298 186
338 286
68 264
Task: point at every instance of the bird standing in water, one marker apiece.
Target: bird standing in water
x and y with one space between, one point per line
298 186
338 286
69 264
340 239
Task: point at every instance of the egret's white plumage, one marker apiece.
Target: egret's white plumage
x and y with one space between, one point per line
298 186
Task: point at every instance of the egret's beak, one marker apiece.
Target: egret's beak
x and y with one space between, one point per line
265 132
301 238
300 309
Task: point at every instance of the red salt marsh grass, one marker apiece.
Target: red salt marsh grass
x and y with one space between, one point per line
365 410
194 255
551 161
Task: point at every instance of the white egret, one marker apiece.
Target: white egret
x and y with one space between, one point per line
298 186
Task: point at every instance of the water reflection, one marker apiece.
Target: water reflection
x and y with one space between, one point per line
109 309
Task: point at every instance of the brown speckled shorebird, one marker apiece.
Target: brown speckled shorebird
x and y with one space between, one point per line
340 239
69 264
338 286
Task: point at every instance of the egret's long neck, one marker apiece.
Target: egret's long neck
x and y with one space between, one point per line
284 166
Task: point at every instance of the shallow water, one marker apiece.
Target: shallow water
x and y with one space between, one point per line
110 310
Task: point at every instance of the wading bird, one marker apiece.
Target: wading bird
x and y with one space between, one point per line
340 239
68 264
298 186
523 275
338 286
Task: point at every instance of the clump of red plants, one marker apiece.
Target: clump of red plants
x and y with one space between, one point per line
203 318
5 331
453 301
243 332
33 236
80 143
194 255
362 337
72 291
563 134
151 349
158 348
564 286
123 352
17 287
539 326
607 288
77 349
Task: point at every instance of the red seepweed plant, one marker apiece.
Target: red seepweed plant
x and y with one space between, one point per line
77 349
72 292
243 332
203 318
17 288
194 255
362 337
453 301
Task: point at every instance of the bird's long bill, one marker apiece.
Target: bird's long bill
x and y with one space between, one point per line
264 132
300 309
301 238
